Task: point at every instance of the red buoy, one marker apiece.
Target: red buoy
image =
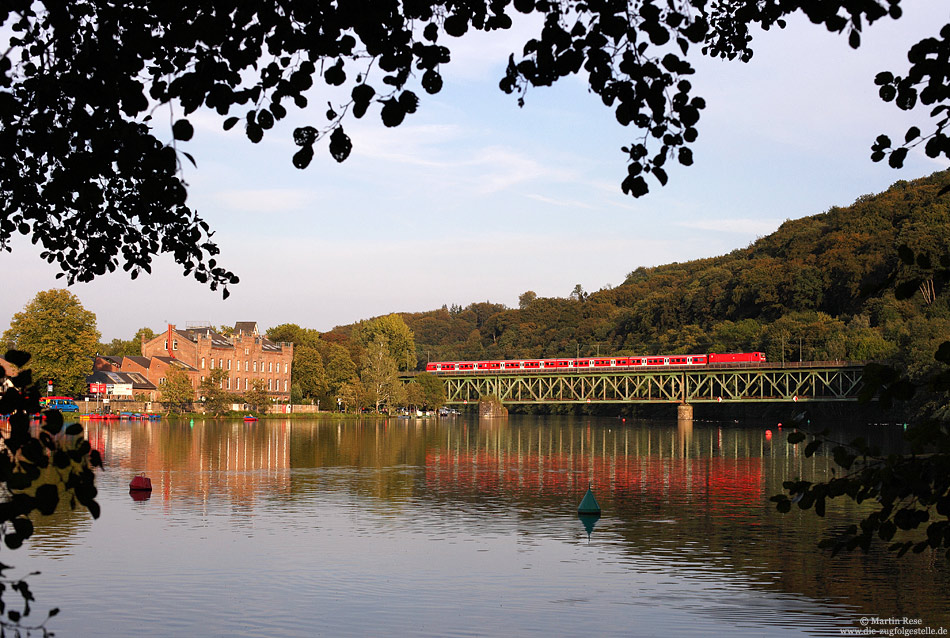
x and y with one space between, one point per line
140 483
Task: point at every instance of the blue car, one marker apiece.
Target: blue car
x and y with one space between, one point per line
63 404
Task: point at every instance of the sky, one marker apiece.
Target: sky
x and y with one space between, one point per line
475 199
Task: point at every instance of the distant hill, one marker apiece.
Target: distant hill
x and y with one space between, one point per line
821 287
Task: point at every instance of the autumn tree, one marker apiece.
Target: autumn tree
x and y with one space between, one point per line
60 336
177 393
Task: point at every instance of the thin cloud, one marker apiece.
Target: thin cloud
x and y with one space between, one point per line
271 200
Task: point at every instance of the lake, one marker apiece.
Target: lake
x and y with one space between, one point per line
457 527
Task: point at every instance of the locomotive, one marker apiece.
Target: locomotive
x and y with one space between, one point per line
597 363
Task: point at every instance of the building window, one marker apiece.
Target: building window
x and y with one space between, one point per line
161 381
285 385
174 344
270 366
268 385
229 364
229 383
212 363
255 366
202 363
285 369
245 352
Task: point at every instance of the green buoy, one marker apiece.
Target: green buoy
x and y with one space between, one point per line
589 504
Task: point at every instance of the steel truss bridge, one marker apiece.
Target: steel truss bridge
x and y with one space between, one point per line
817 381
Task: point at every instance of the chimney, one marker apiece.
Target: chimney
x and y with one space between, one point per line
168 340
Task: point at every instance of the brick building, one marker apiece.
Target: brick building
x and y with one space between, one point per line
246 354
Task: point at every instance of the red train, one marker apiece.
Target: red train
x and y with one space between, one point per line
595 363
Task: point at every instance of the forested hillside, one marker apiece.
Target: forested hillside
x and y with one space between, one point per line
821 287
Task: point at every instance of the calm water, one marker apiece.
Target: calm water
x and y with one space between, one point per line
456 528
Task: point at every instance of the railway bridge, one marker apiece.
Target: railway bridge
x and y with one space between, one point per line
819 381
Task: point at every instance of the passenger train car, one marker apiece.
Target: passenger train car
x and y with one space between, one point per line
597 363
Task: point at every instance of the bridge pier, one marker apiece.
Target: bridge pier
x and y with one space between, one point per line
684 412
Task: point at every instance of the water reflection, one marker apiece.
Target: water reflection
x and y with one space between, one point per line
687 529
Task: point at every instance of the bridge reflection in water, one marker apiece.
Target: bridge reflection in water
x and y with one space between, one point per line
621 463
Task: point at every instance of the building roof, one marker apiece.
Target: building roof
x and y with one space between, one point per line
267 344
145 362
217 340
247 327
172 361
138 381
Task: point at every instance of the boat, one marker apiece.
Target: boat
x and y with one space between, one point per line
250 419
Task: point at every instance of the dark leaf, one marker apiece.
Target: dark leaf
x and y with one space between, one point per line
17 357
302 158
340 144
183 130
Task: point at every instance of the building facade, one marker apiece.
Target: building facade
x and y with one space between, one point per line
245 355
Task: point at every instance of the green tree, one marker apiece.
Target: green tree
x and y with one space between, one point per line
292 333
351 394
61 336
211 390
339 366
379 375
415 394
308 372
127 348
257 396
395 333
525 298
177 392
433 390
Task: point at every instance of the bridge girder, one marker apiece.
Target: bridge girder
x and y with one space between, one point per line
747 385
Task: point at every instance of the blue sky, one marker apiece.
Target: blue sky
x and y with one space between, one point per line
474 199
